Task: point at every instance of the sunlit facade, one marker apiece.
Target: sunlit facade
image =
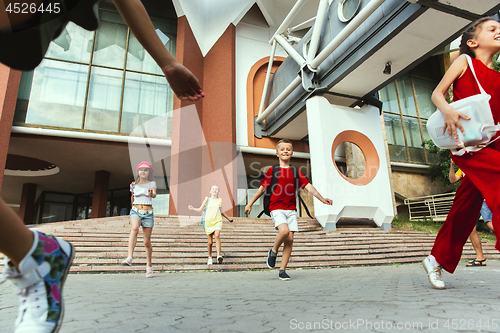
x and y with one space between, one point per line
78 108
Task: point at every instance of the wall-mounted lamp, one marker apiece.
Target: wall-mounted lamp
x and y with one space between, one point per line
387 68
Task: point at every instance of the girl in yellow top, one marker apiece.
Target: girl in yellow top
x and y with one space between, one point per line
212 215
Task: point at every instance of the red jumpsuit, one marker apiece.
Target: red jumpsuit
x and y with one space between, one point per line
482 180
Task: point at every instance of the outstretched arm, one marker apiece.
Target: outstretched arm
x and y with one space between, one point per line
311 189
184 84
200 209
227 218
260 191
453 176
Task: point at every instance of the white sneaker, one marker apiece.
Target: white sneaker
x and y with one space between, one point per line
434 273
209 262
40 281
220 259
127 262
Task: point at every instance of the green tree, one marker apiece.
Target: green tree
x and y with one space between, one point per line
440 169
496 62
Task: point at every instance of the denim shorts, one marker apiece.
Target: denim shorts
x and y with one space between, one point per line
147 220
486 212
289 217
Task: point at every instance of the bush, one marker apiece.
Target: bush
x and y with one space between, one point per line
441 168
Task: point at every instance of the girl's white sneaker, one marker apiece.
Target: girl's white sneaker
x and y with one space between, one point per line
434 272
127 262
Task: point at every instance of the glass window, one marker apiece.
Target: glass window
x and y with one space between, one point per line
395 137
424 130
103 106
394 130
413 137
414 140
23 97
99 82
57 94
431 158
389 98
59 197
348 9
402 98
406 96
139 60
423 91
110 41
258 205
161 202
56 212
145 97
83 202
74 44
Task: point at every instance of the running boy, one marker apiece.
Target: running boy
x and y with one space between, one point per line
283 206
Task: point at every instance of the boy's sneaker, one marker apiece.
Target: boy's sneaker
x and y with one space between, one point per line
434 272
209 261
149 272
40 281
283 276
219 259
271 259
127 261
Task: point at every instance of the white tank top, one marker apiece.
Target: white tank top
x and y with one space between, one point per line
141 194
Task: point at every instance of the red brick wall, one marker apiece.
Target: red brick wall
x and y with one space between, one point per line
9 85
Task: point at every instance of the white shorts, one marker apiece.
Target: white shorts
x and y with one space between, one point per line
289 217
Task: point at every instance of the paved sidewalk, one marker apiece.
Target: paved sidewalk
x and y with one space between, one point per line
395 298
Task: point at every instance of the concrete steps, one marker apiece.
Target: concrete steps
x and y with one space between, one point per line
181 245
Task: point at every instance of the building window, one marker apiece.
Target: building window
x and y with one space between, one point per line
407 105
102 81
57 207
348 9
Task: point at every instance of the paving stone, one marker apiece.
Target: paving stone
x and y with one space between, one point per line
256 301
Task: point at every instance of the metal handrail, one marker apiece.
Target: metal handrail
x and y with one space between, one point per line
431 206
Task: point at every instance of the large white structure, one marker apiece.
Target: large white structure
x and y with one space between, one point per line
368 196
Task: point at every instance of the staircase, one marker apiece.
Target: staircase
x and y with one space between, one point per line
101 245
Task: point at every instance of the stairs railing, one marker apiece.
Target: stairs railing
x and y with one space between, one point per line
435 207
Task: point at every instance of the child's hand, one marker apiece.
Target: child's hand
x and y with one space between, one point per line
328 202
190 207
451 122
150 192
184 84
248 209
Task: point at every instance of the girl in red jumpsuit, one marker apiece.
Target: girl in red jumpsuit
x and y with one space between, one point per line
481 41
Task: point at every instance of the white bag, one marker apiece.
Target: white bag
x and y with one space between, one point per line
478 130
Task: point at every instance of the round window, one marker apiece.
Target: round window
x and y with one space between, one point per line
348 9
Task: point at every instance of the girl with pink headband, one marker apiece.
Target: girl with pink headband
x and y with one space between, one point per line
143 191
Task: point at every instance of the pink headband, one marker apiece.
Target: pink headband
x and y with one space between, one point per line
144 164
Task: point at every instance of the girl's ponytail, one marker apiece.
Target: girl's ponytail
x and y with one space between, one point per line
470 33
